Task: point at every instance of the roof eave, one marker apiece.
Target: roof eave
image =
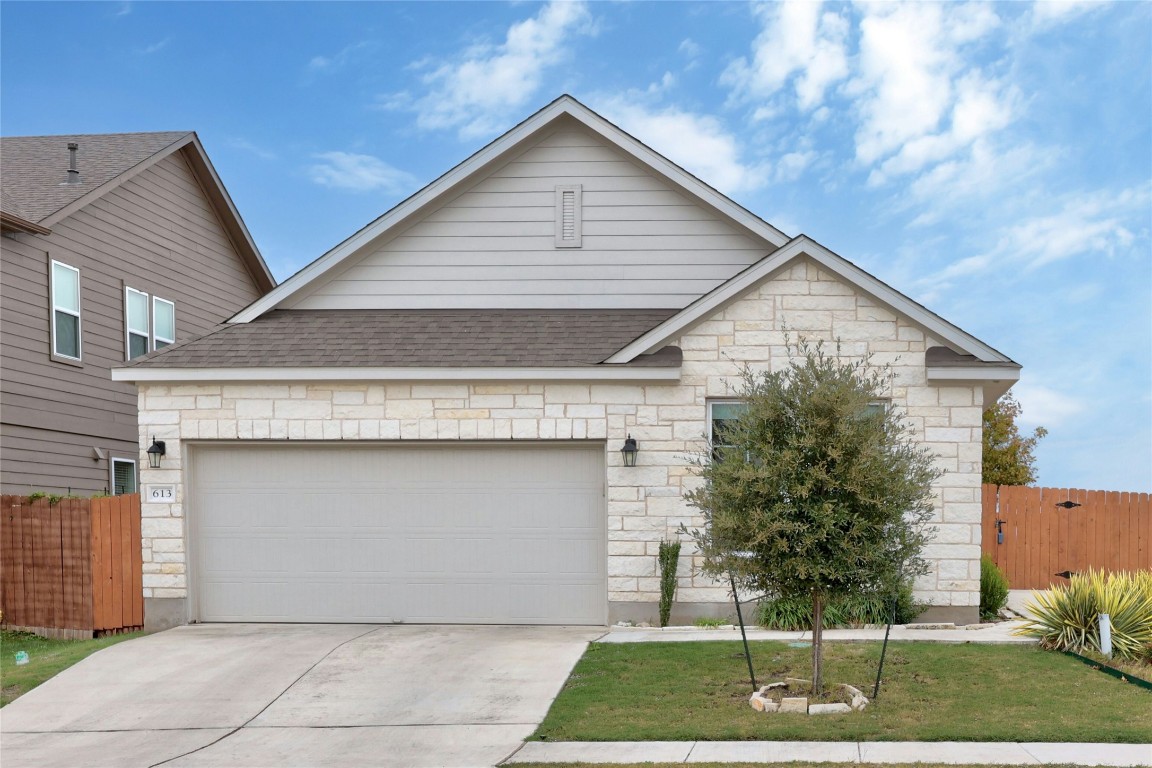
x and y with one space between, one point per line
14 223
597 373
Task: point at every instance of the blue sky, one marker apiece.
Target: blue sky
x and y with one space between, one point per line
992 161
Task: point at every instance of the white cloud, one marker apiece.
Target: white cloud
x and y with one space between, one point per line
248 146
1098 224
1044 406
1051 12
337 61
148 50
480 93
917 100
689 48
359 173
699 143
799 43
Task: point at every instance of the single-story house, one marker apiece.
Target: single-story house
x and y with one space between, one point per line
425 424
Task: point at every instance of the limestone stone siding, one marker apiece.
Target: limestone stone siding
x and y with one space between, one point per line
644 503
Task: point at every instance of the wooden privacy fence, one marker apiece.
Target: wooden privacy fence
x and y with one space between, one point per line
1044 534
73 568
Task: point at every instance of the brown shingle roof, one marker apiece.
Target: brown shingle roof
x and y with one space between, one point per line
34 169
418 338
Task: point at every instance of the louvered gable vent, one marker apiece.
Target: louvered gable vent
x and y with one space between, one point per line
568 216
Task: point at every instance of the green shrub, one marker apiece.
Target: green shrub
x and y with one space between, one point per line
1067 617
668 558
993 588
795 614
706 623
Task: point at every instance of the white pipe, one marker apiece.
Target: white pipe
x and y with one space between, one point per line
1106 635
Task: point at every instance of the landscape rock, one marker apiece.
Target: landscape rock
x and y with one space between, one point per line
938 625
757 702
859 702
828 709
852 691
764 689
794 704
771 706
795 682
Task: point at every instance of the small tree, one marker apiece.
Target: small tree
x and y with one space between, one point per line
817 488
1007 455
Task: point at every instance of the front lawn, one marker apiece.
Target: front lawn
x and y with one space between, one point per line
932 692
46 658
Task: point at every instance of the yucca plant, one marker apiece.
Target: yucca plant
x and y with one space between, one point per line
1067 617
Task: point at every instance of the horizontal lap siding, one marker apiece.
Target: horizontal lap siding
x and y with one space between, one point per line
157 233
645 244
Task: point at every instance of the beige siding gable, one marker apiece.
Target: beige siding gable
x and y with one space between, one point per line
643 243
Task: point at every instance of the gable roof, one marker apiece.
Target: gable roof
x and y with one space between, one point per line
36 192
483 160
804 247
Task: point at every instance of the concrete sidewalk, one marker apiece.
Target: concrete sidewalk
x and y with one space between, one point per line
958 753
1000 633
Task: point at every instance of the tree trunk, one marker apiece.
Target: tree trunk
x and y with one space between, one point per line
817 640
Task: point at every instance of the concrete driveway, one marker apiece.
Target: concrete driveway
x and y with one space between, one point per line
266 695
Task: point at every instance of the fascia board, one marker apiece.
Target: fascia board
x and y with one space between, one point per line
255 260
565 105
850 273
599 373
111 184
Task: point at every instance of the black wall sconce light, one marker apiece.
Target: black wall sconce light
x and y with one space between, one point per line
629 451
1068 504
155 451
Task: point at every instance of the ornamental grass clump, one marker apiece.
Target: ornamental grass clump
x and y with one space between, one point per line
1067 617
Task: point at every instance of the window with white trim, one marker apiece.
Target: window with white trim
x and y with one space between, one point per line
65 311
123 476
721 416
149 322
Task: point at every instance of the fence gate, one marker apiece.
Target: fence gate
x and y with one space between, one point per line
72 568
1046 531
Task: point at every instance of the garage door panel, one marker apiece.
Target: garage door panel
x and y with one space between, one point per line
484 533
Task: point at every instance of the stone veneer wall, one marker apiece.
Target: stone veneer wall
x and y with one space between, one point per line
644 503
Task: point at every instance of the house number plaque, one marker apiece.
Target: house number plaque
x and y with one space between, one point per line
161 493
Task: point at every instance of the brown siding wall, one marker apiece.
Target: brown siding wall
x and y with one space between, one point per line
156 233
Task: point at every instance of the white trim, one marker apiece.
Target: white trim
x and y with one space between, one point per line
54 309
983 373
565 105
803 246
596 373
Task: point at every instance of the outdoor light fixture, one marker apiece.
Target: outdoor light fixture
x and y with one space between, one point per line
629 451
155 451
1065 574
1068 504
999 531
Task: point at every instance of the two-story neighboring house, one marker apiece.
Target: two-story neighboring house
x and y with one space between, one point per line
114 245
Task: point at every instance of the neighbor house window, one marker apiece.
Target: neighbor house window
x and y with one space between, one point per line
123 476
149 322
163 322
65 311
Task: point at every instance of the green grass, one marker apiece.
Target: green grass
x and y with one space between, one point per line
932 692
46 658
766 765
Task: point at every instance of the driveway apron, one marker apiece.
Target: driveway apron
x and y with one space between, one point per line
297 695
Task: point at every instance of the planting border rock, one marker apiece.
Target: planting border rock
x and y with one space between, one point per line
762 701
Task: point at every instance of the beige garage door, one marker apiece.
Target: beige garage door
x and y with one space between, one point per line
488 534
